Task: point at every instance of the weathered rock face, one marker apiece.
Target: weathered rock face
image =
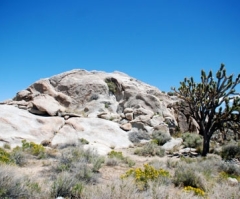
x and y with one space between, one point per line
17 125
100 107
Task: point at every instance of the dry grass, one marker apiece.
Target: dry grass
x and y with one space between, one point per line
72 172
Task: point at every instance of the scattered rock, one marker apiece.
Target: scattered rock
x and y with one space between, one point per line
126 127
129 116
173 143
232 181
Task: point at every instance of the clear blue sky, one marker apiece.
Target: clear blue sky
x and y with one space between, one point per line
156 41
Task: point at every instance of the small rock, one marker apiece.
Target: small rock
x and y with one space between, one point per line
172 143
46 142
232 181
126 127
128 110
129 116
194 153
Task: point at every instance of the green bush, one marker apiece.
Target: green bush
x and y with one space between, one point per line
6 146
230 169
5 157
97 163
13 185
230 151
150 149
112 162
186 175
111 86
34 149
18 156
115 154
115 157
192 140
161 137
81 164
66 186
83 141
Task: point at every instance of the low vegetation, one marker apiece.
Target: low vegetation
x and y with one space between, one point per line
160 137
192 140
143 176
70 171
150 149
115 158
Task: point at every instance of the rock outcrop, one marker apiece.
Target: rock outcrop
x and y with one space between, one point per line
100 107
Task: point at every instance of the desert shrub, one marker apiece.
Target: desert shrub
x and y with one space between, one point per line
115 189
197 191
161 137
34 149
112 162
82 172
14 186
230 151
232 170
136 137
112 87
150 149
97 163
115 157
82 164
6 146
192 140
66 186
186 175
188 159
143 176
5 157
172 163
129 161
94 97
18 156
209 166
115 154
83 141
224 191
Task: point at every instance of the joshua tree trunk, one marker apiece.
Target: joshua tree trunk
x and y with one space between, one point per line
206 142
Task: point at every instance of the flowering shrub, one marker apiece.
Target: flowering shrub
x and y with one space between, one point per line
34 149
142 176
197 191
5 156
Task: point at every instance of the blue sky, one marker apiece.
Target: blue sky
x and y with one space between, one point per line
156 41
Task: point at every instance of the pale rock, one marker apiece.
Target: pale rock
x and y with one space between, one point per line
101 134
187 150
232 181
162 128
48 104
17 125
139 126
156 120
126 127
128 110
23 95
173 143
129 116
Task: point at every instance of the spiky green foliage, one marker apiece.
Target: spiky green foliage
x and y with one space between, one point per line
204 101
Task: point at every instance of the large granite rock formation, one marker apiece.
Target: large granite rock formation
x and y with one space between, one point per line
100 107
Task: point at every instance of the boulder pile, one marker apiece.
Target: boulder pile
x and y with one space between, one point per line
100 107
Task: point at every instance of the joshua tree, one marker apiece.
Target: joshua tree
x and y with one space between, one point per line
213 103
